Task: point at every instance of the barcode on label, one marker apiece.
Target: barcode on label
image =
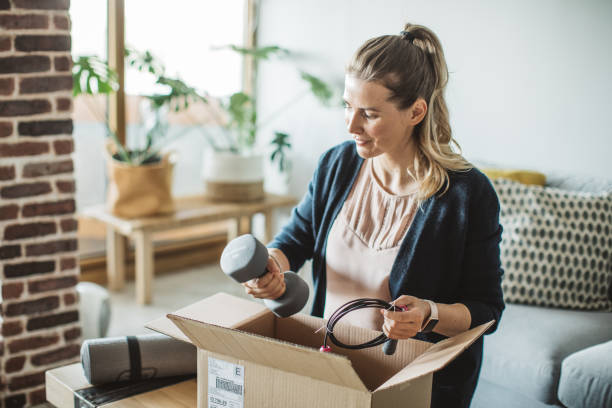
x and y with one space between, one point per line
225 384
229 386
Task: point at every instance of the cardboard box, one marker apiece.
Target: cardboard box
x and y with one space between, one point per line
248 357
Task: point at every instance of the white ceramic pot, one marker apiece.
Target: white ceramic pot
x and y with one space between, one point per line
233 177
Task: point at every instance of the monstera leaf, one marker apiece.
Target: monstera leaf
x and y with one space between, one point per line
91 75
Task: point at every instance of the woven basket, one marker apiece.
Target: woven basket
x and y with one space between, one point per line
140 191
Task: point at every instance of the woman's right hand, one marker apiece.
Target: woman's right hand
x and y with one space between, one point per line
269 286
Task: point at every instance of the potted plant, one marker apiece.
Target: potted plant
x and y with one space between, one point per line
235 171
140 176
233 167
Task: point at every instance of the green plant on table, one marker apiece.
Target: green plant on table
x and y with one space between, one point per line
244 116
279 154
238 120
92 76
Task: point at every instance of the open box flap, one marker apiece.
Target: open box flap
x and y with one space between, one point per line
437 356
220 309
271 352
371 364
165 326
222 335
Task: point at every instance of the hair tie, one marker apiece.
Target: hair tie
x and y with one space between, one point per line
407 35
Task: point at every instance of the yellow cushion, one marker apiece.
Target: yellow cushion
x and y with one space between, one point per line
522 176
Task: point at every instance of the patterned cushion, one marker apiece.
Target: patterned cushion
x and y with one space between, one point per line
556 246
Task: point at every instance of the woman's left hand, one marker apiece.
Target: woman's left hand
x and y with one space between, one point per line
406 324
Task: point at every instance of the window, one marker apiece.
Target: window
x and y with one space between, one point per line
186 36
89 24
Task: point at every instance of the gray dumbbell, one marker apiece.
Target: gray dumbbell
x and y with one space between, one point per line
245 258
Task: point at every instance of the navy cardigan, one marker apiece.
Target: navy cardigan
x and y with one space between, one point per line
450 253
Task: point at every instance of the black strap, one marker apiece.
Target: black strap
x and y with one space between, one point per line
135 361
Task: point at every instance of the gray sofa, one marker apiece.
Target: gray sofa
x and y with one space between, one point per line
545 357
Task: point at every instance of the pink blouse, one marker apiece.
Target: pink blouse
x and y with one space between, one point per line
362 245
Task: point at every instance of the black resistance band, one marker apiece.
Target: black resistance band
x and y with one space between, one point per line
351 306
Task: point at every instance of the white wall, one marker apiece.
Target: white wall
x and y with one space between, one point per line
530 84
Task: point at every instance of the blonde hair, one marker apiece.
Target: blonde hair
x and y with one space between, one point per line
412 65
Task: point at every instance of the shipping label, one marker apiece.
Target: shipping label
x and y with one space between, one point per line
225 384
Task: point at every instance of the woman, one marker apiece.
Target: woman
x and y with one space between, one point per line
397 214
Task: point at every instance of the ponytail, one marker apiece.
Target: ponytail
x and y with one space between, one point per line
412 65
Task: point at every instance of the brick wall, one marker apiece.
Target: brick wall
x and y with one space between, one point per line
39 323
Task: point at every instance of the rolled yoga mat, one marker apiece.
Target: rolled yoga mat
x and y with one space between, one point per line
140 357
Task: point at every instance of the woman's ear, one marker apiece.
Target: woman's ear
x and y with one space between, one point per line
417 111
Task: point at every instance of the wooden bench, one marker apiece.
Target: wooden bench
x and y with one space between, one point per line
190 211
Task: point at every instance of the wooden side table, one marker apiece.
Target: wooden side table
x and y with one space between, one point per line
192 210
62 383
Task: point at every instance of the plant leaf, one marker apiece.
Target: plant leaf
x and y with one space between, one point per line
260 53
144 61
179 95
91 75
280 141
320 89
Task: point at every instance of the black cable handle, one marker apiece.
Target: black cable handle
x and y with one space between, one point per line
356 304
